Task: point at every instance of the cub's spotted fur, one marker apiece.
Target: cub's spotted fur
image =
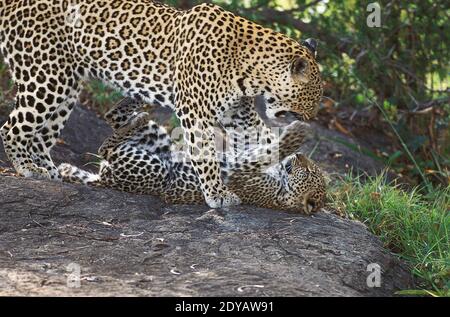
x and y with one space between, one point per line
139 158
198 62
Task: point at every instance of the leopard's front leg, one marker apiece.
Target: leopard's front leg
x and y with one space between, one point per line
199 138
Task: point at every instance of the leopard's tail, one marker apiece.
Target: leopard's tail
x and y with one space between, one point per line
73 174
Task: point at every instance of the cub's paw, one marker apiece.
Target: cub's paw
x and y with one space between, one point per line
225 199
67 171
138 119
293 137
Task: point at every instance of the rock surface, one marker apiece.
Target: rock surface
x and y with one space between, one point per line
137 245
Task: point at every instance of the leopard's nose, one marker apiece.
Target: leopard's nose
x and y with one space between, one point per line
312 112
311 205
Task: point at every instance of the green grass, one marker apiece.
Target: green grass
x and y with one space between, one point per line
414 226
101 96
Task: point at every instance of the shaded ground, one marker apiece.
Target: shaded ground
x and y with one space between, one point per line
136 245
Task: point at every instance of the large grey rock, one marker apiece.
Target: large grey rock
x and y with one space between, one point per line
136 245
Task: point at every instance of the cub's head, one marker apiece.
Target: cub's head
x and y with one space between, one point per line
296 86
305 187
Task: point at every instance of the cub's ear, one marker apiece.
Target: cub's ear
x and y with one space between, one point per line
311 44
300 69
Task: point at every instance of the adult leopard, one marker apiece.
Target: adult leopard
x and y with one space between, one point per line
197 62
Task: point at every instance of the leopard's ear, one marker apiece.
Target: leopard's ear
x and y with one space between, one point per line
300 69
311 45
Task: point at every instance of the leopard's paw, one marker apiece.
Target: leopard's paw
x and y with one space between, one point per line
293 137
139 119
225 199
66 171
34 171
297 128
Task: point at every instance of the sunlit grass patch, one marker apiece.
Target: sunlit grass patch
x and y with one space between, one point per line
412 225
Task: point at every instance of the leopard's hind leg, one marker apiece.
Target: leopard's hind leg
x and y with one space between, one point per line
46 92
138 158
138 131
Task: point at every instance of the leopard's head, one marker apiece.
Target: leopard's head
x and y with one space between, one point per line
305 186
296 89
